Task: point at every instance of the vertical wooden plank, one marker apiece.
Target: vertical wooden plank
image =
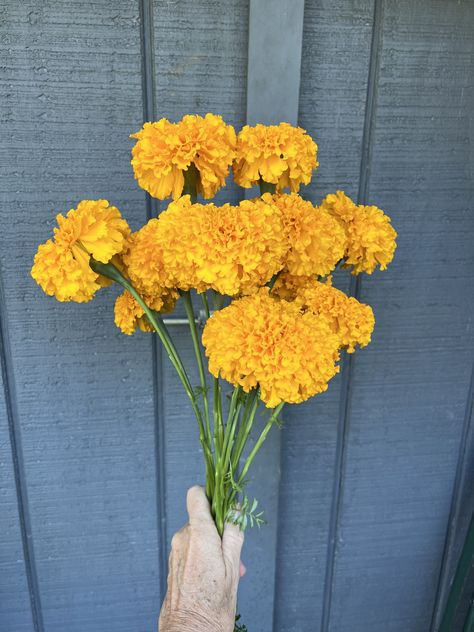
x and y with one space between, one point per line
17 600
461 511
152 210
73 94
200 51
201 60
274 61
354 289
410 386
273 85
336 50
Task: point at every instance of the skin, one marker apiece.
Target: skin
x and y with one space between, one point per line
204 573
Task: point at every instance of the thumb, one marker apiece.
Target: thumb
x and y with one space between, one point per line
232 541
198 508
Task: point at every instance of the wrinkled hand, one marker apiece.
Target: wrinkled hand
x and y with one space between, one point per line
203 573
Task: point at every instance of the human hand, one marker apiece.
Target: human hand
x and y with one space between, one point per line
203 573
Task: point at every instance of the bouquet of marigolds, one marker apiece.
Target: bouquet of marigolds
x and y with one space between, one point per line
261 272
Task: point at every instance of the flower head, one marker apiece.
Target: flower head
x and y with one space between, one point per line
340 205
231 249
258 341
60 274
352 321
280 154
129 315
165 150
143 259
316 239
287 286
61 267
370 235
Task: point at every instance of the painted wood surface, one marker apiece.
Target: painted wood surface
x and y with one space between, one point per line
97 443
402 450
16 613
83 392
332 108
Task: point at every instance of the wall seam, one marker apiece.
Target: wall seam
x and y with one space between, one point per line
6 366
152 210
354 290
454 511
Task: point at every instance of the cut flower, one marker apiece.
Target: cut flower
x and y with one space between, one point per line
129 315
279 154
230 249
316 240
370 235
352 321
258 341
164 151
61 267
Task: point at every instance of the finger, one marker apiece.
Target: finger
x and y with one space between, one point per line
232 541
242 569
198 507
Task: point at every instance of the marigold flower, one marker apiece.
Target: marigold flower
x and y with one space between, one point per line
279 154
61 267
370 235
129 315
260 341
287 286
340 205
231 249
352 321
61 275
143 259
165 150
316 239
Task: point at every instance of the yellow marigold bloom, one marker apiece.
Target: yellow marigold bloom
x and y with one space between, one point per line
231 249
370 235
352 321
316 239
93 227
287 286
61 267
279 154
143 259
340 205
260 341
165 150
129 315
59 274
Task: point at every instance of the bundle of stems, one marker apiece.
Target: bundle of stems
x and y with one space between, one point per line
225 431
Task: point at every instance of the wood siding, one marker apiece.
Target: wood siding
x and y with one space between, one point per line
369 487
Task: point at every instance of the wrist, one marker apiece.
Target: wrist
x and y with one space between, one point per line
187 621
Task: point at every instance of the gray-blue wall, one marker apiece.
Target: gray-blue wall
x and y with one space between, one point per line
368 488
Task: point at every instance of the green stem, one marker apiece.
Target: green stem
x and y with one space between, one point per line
205 303
259 442
188 306
272 281
218 300
234 410
266 187
223 482
255 449
110 271
245 428
191 180
217 400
